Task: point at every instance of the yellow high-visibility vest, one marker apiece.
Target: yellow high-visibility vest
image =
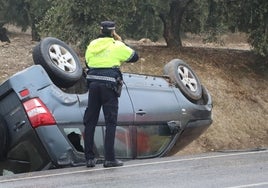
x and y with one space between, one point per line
107 52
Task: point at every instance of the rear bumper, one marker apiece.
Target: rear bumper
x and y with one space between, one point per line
191 132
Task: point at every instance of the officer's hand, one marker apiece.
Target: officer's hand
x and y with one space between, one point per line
116 36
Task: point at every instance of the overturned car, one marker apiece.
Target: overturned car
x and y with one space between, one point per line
41 124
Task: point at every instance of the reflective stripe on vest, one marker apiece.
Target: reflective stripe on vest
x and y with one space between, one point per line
104 78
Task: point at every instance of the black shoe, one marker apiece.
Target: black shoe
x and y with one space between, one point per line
91 163
114 163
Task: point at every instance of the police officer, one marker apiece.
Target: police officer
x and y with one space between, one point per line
104 56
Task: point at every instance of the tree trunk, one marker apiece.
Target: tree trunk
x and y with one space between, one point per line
35 34
172 22
3 35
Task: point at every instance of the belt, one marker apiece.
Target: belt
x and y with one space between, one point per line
105 78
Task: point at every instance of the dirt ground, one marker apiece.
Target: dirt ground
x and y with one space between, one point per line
235 77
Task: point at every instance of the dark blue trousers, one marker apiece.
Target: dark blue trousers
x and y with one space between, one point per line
100 95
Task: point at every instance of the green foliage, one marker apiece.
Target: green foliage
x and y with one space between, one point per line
195 16
2 13
216 21
17 12
24 13
77 21
250 17
259 26
143 21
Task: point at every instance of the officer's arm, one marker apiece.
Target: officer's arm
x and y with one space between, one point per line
127 54
134 57
116 36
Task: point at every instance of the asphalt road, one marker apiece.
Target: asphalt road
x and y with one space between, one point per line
225 169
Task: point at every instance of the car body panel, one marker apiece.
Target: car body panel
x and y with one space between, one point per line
150 95
59 149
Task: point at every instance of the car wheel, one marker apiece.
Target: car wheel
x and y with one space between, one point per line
184 78
166 69
59 60
3 139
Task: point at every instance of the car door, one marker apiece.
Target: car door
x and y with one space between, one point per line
155 106
152 98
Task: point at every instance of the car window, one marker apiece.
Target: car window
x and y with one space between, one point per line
75 136
141 141
151 141
123 142
135 141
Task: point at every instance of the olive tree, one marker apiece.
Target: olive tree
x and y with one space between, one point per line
25 14
3 31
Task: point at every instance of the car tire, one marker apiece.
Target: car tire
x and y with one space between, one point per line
59 60
166 69
3 139
184 78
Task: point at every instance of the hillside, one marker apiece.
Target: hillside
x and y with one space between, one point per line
234 76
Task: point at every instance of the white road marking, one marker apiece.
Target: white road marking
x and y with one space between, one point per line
133 165
250 185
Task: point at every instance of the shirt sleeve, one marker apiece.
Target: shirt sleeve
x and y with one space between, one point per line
123 52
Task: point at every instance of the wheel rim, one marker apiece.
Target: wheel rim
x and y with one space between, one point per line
62 58
187 78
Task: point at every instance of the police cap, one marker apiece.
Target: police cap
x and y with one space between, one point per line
108 25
